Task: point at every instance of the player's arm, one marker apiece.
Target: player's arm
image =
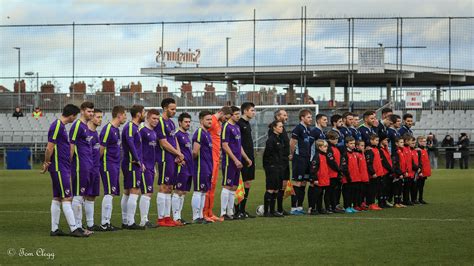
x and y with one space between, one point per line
71 153
330 158
196 149
131 144
228 151
169 148
315 164
101 151
293 143
245 156
47 156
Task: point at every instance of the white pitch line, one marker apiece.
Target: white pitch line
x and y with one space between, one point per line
319 217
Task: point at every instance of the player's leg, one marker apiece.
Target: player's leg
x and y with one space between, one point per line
248 175
414 191
146 187
421 186
110 181
281 192
80 180
92 191
59 192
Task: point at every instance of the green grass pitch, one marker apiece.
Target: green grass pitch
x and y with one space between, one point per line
441 232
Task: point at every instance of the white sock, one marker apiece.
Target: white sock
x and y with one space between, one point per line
224 200
131 208
160 204
123 203
196 204
89 209
144 209
167 205
67 210
175 204
203 202
230 205
181 203
77 202
55 214
106 209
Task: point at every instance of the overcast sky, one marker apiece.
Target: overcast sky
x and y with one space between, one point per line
122 50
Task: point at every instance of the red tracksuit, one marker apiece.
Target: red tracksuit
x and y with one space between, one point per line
386 160
400 166
424 163
413 163
364 174
352 168
374 162
334 154
320 169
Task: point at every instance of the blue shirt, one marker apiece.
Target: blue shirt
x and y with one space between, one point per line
365 133
355 133
392 134
304 140
132 145
405 130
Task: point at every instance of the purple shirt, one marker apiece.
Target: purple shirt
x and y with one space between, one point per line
60 158
165 130
95 143
186 149
80 137
203 163
131 144
148 147
231 135
110 140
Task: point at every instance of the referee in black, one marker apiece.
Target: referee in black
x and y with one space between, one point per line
273 164
248 172
282 116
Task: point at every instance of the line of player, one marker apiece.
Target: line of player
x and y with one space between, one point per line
375 165
79 160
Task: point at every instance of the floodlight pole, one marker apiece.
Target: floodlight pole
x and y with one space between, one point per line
19 74
227 51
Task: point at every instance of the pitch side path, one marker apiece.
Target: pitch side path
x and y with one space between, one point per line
441 232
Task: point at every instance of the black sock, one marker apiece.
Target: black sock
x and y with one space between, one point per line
280 200
301 196
311 197
266 202
272 202
243 203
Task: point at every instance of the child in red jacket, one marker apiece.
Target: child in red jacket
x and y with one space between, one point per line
351 175
364 177
375 169
334 160
387 179
320 178
411 158
399 172
425 168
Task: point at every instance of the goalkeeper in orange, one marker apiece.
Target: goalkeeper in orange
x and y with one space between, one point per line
216 127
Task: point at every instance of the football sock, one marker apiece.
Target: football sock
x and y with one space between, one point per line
160 204
224 200
106 209
123 204
144 209
280 200
131 208
77 209
175 204
196 204
67 210
167 205
230 203
55 214
89 209
203 202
